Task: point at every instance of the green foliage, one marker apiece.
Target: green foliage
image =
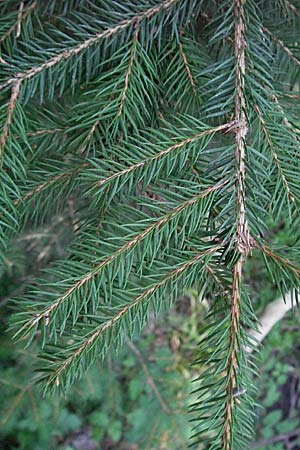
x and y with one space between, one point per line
164 136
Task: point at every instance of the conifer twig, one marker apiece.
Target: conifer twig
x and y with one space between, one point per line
53 180
89 341
124 248
15 90
187 68
129 69
220 128
19 20
242 236
284 118
277 438
274 154
282 45
45 131
21 16
66 54
285 262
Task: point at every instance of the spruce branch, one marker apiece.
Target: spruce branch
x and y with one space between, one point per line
284 117
83 353
141 146
97 38
53 180
242 234
160 155
280 259
126 248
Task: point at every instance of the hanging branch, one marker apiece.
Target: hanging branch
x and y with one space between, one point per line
242 235
109 331
108 260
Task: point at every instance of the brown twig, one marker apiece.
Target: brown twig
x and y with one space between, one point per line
19 19
15 90
149 379
45 131
277 438
289 95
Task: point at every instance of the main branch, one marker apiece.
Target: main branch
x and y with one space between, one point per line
242 235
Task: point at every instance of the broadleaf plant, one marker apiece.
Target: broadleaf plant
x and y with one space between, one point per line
170 129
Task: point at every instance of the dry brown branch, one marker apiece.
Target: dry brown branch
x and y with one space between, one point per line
277 438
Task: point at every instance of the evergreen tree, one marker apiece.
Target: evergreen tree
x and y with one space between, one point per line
172 126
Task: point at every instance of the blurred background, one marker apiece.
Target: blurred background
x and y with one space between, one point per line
137 399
